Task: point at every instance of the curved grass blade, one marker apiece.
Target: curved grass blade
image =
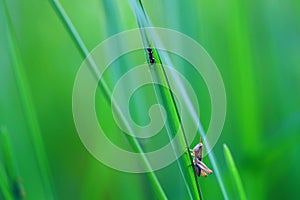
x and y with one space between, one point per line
234 173
191 109
28 107
84 52
167 99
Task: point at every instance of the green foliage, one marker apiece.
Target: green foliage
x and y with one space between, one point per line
254 44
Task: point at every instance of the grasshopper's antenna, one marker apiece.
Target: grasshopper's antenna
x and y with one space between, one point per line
200 139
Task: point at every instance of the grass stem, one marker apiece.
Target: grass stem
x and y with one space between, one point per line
234 173
84 52
28 106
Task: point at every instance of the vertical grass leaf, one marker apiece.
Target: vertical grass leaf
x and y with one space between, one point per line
28 106
234 173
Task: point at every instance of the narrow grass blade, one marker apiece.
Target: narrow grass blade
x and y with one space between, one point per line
28 107
234 173
4 185
10 167
84 52
8 159
214 164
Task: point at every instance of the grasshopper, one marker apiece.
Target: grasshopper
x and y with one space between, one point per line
199 166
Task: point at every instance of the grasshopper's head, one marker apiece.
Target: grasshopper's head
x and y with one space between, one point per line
198 147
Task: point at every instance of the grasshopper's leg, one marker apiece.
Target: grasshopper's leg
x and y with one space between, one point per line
203 174
203 167
190 151
199 170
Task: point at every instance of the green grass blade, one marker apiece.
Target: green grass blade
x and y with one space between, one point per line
214 164
71 28
84 52
234 173
10 171
28 107
166 98
145 23
6 149
10 167
4 185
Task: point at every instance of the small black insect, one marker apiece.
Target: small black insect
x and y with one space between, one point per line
151 58
200 167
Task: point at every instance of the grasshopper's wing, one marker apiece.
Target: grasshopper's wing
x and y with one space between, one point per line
202 166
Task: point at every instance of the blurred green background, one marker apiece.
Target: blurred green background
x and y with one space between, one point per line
255 44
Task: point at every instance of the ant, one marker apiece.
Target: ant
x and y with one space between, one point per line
151 58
